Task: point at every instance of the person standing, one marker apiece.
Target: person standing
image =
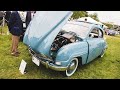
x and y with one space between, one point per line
23 18
15 26
28 18
7 16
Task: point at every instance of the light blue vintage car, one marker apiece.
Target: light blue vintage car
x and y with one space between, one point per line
60 44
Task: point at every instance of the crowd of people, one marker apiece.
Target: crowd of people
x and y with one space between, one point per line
17 22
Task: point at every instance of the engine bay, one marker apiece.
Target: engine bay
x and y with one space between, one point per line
63 38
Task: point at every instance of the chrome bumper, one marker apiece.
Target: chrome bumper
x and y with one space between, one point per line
53 66
47 62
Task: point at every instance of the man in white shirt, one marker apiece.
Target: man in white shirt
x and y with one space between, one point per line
32 14
23 18
29 17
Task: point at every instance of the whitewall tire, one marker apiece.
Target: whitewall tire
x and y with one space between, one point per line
72 67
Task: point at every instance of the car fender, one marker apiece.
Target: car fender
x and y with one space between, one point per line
67 52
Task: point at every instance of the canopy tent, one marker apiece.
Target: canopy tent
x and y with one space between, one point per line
105 26
89 19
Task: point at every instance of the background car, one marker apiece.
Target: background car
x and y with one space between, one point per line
112 32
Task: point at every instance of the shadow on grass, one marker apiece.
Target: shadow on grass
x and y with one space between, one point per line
46 73
42 72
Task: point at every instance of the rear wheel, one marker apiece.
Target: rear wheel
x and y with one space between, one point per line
103 53
72 67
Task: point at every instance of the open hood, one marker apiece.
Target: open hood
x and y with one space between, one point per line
43 29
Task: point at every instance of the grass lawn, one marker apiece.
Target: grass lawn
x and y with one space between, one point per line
107 67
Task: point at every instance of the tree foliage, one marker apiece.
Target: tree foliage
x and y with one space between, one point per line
94 16
108 25
79 14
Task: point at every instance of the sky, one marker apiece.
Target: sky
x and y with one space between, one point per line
108 16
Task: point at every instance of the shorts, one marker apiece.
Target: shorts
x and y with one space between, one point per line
16 31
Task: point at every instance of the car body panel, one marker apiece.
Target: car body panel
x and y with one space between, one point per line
95 48
78 49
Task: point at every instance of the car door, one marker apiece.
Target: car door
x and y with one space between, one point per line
95 40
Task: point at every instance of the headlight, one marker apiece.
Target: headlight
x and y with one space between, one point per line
58 63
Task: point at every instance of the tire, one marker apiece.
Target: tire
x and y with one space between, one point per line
72 67
102 54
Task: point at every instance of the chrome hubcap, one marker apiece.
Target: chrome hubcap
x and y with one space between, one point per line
72 67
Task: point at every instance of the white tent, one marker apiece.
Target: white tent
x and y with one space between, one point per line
105 26
89 19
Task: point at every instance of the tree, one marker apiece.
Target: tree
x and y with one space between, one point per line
79 14
108 25
94 16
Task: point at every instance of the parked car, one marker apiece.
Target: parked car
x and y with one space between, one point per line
112 32
106 31
60 44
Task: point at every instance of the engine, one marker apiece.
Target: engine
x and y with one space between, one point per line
63 38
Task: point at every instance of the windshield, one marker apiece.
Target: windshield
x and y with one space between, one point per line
80 30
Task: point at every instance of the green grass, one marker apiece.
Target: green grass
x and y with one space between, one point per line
107 67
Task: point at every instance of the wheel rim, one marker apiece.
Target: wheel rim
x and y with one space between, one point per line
72 67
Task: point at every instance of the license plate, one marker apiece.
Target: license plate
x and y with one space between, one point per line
36 61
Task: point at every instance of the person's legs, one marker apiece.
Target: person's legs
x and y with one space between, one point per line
16 44
13 42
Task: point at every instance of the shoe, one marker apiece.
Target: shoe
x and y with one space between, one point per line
18 52
15 54
12 53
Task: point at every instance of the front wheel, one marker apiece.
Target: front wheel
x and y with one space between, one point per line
72 67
